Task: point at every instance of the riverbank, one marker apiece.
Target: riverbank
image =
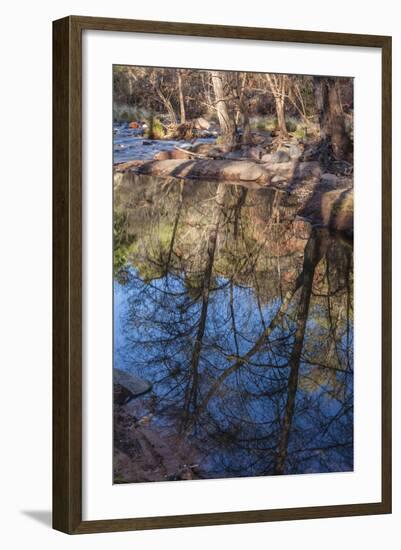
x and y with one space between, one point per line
322 197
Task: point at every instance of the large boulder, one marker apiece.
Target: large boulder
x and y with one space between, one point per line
338 210
220 170
333 209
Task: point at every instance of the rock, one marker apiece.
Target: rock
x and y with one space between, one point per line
341 167
121 396
162 155
205 149
278 179
294 151
127 386
251 172
173 154
220 170
333 209
262 137
201 124
338 210
280 156
255 153
267 158
330 180
129 165
267 141
146 142
308 169
234 154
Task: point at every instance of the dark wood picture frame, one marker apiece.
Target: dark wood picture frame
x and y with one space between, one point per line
67 275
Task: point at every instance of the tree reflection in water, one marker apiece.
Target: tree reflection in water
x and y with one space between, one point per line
241 315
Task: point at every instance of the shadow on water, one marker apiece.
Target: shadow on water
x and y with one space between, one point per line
241 316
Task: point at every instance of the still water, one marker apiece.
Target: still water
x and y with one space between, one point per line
241 316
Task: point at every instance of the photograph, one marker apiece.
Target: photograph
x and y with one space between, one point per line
233 274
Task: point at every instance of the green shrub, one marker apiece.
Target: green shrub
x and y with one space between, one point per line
155 129
267 123
299 133
292 124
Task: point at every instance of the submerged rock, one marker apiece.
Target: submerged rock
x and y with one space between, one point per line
127 386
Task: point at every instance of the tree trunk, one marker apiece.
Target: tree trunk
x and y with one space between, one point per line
277 84
190 402
181 98
246 126
175 227
168 105
312 255
331 116
282 127
227 126
244 111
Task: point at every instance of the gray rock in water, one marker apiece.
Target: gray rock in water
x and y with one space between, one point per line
129 385
280 156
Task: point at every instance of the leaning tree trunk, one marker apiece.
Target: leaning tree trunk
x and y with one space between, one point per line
331 117
226 122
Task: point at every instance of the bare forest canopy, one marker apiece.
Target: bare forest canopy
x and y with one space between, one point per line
234 105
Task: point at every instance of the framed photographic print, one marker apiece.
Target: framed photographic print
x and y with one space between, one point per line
222 275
